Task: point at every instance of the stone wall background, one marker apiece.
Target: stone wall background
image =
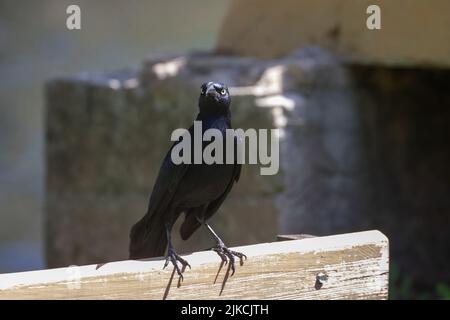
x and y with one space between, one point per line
106 137
361 148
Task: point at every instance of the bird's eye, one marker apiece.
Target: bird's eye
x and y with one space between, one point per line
222 91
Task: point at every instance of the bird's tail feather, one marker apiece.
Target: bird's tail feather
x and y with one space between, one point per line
147 238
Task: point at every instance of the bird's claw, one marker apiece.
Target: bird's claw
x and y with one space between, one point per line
173 257
228 255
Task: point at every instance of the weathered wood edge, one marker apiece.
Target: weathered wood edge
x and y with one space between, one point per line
316 245
286 237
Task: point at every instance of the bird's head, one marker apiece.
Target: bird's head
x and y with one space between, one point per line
214 98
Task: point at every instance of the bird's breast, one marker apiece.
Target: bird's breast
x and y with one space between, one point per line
204 183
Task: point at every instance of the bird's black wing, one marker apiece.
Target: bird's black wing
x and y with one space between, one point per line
166 184
214 205
147 236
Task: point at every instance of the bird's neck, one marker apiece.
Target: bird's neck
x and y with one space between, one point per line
216 116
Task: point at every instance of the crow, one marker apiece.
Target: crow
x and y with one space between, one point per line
197 190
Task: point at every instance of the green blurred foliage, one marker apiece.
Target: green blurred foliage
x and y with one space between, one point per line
403 287
443 291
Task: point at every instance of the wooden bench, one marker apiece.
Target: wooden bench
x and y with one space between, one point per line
346 266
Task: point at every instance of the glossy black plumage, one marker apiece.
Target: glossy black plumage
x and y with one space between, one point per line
198 190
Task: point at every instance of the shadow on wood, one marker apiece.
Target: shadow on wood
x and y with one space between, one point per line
347 266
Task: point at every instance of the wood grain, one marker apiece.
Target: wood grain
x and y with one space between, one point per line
347 266
285 237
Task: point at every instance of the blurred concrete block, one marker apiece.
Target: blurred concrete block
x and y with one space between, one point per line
107 135
361 148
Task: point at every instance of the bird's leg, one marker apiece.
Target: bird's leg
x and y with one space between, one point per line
173 257
225 253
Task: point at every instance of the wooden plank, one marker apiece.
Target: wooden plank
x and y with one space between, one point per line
347 266
285 237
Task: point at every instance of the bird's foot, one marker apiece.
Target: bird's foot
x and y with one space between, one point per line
228 255
173 257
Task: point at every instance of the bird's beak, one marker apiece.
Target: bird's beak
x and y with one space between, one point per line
211 92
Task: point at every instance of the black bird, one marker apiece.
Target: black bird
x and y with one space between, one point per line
198 190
